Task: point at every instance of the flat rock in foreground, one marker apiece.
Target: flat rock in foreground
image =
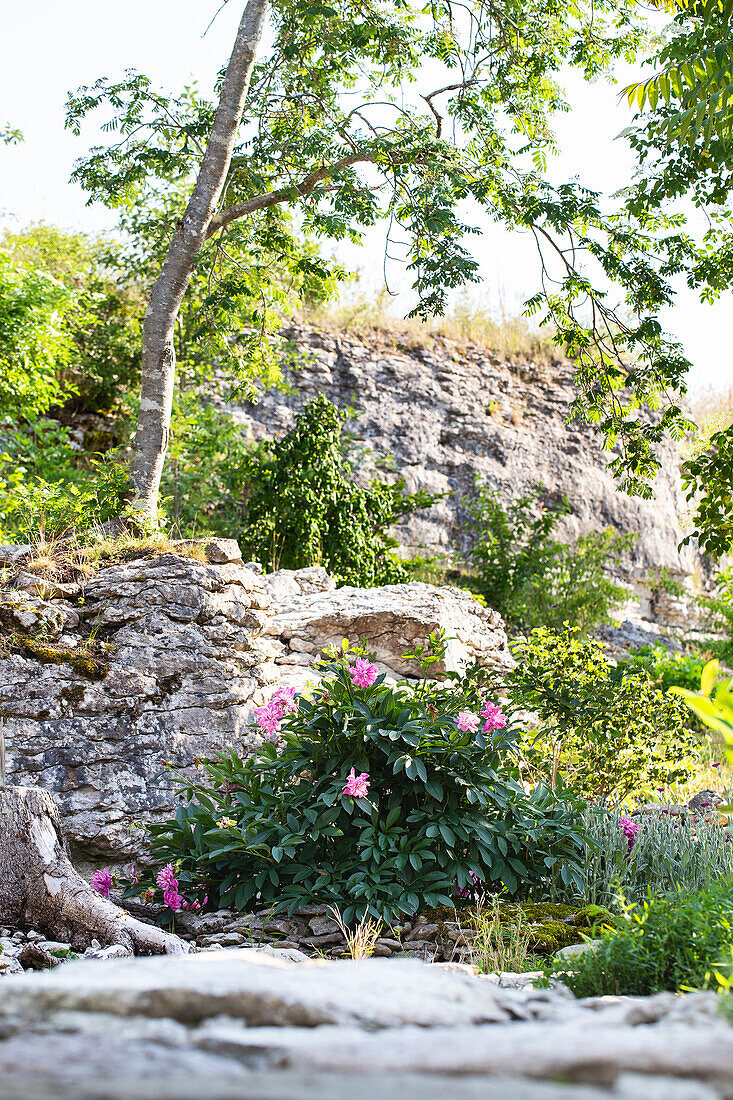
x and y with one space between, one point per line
247 1023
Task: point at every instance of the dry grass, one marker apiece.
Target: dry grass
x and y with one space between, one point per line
369 316
498 946
72 558
713 409
360 942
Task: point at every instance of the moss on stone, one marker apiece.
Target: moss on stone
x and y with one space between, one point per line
551 925
84 663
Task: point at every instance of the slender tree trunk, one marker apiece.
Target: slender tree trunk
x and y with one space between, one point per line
158 355
40 889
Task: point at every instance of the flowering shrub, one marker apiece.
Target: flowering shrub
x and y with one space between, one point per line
380 798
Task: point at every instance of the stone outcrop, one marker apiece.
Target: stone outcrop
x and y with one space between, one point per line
267 1026
183 650
447 414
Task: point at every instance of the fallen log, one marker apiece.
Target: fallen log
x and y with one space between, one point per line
40 889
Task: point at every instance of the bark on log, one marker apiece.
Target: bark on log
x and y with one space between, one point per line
39 887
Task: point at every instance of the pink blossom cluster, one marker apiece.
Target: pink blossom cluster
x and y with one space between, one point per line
467 721
629 828
364 673
168 883
101 881
495 718
357 786
269 716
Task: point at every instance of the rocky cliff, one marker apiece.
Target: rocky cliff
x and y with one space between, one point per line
182 651
441 416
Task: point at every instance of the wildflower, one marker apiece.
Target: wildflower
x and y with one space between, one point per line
101 881
133 875
495 718
226 823
363 673
718 764
173 899
149 896
166 879
467 721
357 785
629 828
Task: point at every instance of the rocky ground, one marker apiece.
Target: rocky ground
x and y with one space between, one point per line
271 1025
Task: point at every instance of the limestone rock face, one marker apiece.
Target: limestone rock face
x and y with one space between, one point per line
448 414
185 650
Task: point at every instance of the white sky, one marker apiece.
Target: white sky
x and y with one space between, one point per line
48 48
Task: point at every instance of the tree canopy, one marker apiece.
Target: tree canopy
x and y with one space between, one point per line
410 112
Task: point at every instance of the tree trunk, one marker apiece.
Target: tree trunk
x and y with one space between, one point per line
158 353
40 889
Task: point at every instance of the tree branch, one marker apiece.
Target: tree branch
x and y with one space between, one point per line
283 194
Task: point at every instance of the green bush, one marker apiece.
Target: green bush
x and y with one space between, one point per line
443 807
667 853
664 668
666 943
303 507
531 578
607 736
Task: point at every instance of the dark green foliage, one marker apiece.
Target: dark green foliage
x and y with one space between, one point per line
302 506
442 806
530 577
604 733
665 943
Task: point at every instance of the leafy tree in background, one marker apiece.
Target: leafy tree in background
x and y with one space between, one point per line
332 116
683 139
302 506
35 342
102 313
529 576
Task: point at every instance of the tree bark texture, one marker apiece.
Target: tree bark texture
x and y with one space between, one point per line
40 889
158 353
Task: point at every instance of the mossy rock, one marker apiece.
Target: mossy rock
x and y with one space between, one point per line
84 663
551 925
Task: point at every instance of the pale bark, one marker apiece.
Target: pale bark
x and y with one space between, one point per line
40 889
158 354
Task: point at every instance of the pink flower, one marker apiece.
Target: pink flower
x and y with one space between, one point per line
495 718
132 873
629 828
101 881
357 785
285 697
166 879
173 899
467 721
269 717
363 673
718 764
